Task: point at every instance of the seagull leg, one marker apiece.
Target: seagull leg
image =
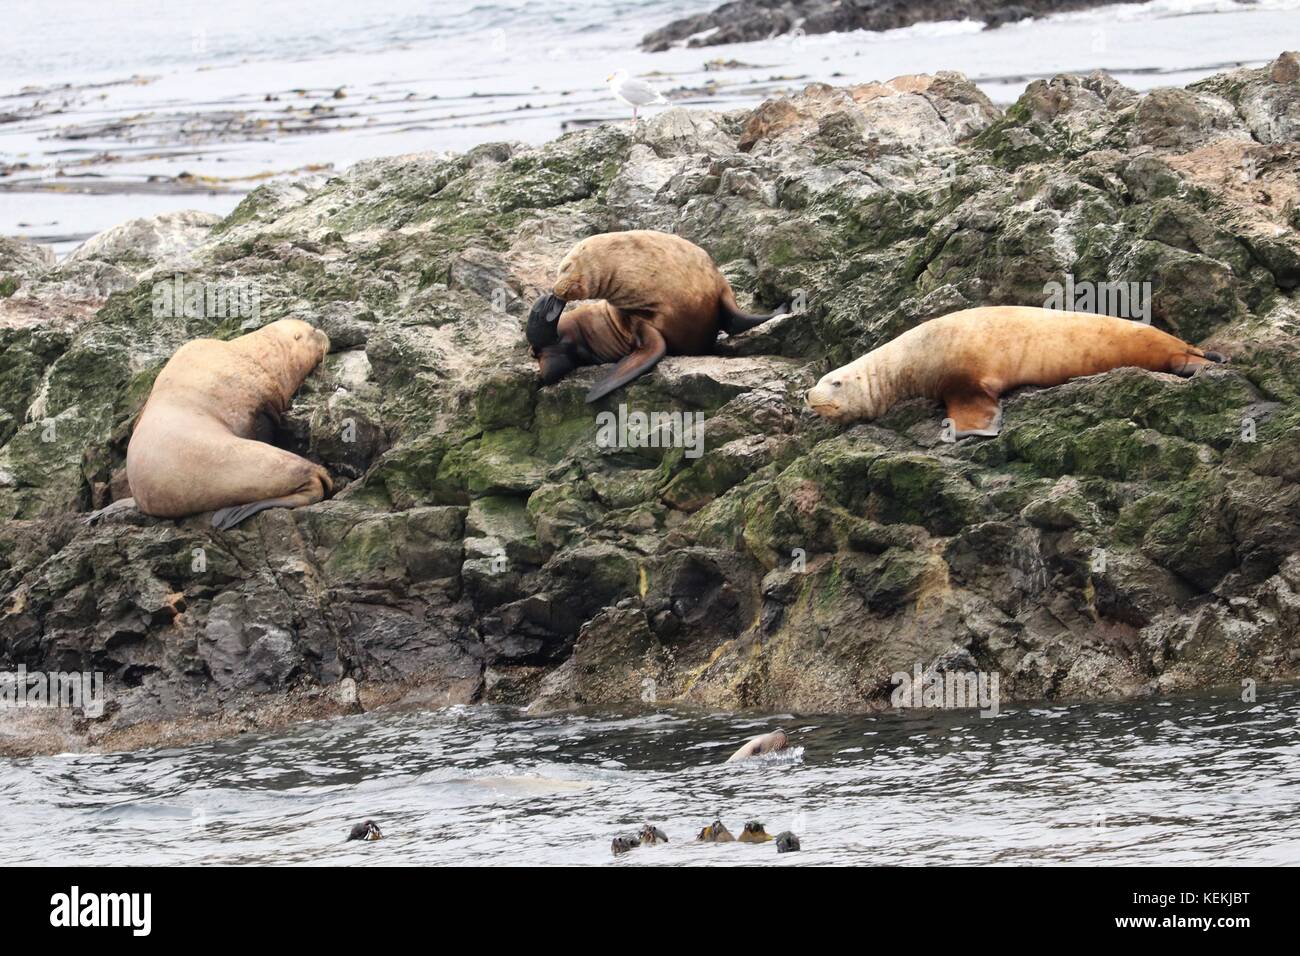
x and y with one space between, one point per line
634 116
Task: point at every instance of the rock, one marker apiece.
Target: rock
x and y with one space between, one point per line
1126 533
741 21
19 259
145 242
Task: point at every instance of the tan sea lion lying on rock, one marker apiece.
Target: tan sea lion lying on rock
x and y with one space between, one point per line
655 294
968 359
202 441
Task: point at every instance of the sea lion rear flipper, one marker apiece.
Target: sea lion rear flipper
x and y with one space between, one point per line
1187 364
653 348
974 414
223 519
733 321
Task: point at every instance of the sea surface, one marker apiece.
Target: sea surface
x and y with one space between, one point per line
110 111
1204 779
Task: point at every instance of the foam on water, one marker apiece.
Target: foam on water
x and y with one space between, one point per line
1196 779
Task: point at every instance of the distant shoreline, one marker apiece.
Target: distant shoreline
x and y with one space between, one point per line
742 21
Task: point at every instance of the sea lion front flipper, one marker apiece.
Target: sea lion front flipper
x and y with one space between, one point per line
122 504
652 349
974 413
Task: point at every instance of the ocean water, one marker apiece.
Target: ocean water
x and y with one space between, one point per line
1204 779
136 107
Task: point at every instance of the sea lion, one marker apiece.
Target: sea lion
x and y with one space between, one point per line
762 744
366 831
754 833
786 842
202 441
968 359
651 835
715 832
622 844
655 294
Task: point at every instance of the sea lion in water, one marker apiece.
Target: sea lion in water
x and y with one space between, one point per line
656 294
651 835
754 833
762 744
715 832
787 842
365 831
202 441
622 844
968 359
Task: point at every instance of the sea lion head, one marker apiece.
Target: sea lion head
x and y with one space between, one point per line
762 744
300 346
366 831
651 835
554 356
859 391
836 395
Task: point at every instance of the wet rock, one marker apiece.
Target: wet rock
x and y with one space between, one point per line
145 242
1126 532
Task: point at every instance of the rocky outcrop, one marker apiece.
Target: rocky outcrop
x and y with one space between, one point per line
1130 533
741 21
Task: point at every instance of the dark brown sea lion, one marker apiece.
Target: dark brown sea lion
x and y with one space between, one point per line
366 831
201 442
786 842
968 359
622 844
654 293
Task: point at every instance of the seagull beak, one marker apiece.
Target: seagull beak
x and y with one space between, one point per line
609 78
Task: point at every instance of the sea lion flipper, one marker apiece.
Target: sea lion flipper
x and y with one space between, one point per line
652 349
122 504
223 519
975 413
1188 364
733 321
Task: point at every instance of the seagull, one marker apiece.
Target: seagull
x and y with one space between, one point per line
635 93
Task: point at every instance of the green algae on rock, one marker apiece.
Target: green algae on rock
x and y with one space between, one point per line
1128 533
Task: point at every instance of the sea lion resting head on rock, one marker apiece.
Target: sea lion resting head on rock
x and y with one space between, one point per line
968 359
653 294
202 441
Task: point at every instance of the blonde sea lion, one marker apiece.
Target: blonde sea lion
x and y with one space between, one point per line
762 744
655 294
968 359
201 442
754 833
715 832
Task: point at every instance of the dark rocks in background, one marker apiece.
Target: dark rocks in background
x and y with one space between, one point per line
741 21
